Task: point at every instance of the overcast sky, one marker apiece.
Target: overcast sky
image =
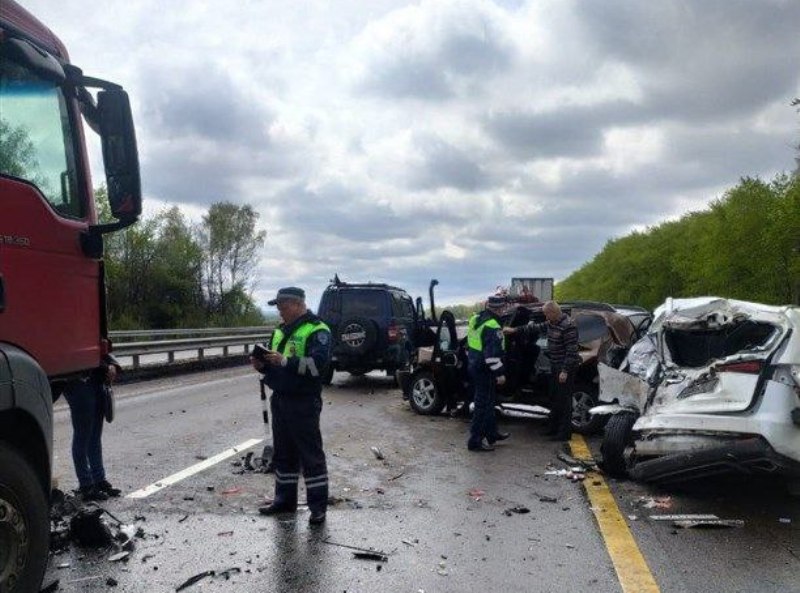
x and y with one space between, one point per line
465 140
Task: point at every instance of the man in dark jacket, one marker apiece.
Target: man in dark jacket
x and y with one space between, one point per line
562 349
485 366
293 366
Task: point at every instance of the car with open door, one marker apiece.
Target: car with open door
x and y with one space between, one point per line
438 377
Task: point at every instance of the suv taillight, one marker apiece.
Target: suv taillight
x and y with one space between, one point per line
393 333
750 367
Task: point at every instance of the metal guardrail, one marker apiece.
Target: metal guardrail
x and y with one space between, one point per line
125 335
232 337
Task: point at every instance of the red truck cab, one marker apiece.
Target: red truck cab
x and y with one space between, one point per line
52 288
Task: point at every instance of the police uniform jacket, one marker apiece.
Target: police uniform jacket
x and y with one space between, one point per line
303 371
489 359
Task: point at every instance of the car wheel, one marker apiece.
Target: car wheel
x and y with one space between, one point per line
426 397
24 525
583 421
617 438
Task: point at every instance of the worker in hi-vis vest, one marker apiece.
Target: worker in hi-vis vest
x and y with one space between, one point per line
293 366
486 371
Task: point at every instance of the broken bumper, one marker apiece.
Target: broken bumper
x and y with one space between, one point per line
750 455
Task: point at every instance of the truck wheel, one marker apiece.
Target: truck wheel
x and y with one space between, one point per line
584 399
24 525
426 398
617 438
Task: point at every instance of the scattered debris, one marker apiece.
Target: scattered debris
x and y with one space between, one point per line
709 523
111 582
785 520
182 519
548 499
408 542
476 493
225 533
576 473
195 579
518 509
232 490
377 453
581 465
119 556
378 556
88 529
393 478
657 502
361 553
686 517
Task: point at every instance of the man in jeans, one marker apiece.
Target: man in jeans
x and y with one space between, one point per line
85 397
562 349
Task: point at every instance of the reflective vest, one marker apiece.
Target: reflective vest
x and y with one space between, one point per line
296 344
475 333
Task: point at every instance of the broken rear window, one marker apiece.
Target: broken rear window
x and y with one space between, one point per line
696 348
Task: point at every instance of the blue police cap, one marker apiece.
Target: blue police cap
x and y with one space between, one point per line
290 293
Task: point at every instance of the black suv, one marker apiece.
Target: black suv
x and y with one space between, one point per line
374 326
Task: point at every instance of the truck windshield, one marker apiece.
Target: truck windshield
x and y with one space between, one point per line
36 138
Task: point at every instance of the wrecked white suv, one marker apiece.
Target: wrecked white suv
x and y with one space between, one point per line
714 387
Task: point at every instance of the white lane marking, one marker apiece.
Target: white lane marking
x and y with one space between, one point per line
194 469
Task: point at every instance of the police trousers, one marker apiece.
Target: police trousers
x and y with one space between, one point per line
484 422
298 446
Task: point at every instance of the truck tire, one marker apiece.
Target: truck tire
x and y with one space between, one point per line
24 524
617 438
583 399
425 396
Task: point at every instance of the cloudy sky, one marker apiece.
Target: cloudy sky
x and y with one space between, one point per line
466 140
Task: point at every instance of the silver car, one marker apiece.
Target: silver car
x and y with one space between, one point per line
713 387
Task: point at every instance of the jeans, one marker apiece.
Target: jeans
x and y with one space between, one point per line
86 410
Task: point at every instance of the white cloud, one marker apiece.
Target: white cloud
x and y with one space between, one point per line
466 140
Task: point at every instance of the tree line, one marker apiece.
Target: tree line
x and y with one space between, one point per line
746 246
165 272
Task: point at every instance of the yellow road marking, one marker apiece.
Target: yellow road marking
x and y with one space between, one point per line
632 571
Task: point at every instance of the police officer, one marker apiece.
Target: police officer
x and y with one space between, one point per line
298 356
485 366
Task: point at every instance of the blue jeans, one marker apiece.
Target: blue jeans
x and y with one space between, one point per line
87 430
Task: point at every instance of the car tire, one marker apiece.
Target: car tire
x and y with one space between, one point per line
583 399
24 524
617 438
357 335
424 395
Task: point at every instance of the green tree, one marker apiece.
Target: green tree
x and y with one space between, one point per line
231 244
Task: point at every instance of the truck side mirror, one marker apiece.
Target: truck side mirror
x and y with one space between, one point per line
120 155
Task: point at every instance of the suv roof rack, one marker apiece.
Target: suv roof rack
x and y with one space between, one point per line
336 283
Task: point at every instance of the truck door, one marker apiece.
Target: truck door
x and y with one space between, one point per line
51 294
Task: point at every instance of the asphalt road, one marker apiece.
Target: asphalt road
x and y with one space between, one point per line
436 510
